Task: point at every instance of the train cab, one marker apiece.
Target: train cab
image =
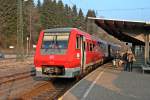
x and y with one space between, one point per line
57 53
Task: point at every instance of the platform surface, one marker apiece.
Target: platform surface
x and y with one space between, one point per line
106 83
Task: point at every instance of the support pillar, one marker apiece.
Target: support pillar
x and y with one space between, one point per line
133 48
146 48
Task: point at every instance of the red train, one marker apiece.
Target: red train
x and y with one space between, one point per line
69 52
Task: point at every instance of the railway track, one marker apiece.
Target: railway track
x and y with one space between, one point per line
32 88
13 63
11 58
17 76
50 90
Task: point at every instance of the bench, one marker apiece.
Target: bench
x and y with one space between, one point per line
145 67
148 62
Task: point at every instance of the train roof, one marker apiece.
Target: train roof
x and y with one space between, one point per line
61 30
58 30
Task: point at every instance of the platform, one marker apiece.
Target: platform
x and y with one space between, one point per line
107 83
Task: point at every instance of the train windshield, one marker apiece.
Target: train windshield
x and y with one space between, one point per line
55 43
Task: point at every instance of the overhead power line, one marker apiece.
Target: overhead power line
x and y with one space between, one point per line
121 9
116 9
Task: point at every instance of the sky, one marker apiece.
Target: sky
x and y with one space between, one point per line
136 10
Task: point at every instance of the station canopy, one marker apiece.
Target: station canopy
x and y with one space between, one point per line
120 28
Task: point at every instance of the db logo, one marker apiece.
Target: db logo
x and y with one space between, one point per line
51 57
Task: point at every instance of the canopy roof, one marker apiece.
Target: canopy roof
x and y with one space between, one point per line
119 28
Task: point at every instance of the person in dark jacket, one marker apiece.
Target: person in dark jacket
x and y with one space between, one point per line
124 58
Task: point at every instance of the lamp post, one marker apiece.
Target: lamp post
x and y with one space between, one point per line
19 31
30 27
20 44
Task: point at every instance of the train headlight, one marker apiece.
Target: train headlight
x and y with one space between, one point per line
78 55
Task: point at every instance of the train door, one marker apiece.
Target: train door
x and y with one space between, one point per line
83 53
109 52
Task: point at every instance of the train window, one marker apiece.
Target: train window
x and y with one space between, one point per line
78 42
87 46
102 46
91 47
54 43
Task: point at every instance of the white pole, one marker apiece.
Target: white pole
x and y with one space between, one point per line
27 45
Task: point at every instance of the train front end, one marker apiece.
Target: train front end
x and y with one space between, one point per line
52 58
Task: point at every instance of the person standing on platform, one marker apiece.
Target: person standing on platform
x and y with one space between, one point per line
117 58
130 59
124 58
